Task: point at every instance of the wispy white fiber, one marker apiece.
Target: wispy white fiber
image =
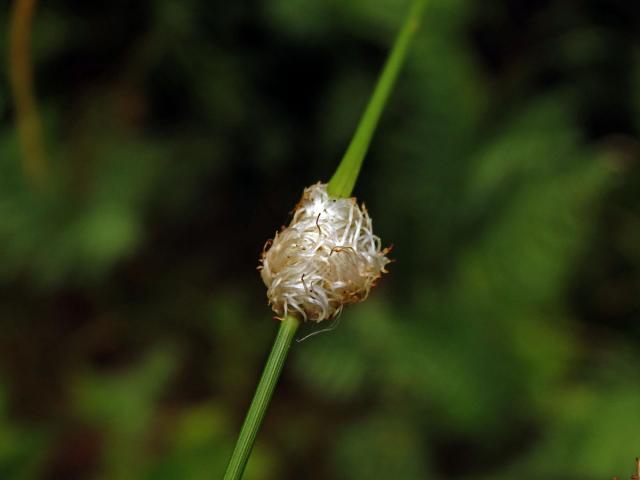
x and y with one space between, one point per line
326 258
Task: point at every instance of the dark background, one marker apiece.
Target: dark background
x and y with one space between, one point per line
505 171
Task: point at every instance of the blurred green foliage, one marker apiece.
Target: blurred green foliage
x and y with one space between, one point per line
505 171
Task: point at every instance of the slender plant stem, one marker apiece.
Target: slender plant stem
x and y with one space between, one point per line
341 185
21 77
344 179
262 397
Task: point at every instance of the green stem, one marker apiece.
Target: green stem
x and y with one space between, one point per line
341 185
262 397
344 179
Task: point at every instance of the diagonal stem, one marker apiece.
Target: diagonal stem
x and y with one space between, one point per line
344 179
262 397
341 185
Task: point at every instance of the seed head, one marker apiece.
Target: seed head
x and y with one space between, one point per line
326 258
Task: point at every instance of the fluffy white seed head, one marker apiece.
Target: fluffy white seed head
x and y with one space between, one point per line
326 258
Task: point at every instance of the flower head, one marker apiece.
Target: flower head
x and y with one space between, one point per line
326 258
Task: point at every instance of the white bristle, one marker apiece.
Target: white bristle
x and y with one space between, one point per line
326 258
